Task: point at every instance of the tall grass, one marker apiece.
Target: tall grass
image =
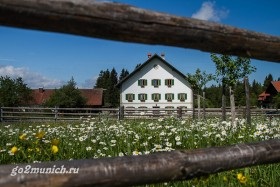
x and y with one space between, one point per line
92 138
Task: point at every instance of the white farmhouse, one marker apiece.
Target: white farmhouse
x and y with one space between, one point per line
155 84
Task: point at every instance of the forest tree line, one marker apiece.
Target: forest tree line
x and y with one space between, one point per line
14 92
213 93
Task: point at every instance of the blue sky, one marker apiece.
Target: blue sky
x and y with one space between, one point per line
45 59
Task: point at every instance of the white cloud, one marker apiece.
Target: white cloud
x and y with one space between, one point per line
32 79
209 12
89 83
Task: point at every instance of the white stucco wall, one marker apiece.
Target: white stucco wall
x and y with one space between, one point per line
161 72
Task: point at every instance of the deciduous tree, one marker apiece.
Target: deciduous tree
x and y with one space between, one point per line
229 70
14 92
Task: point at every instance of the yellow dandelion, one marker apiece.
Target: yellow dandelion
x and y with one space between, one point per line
14 150
225 178
241 178
54 149
22 137
55 142
40 134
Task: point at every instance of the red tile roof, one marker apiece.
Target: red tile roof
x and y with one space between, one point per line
276 85
41 95
94 96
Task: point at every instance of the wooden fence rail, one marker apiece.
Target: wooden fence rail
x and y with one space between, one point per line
125 23
56 114
143 169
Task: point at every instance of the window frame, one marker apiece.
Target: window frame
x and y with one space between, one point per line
156 97
182 96
170 98
130 97
156 83
142 83
142 97
169 82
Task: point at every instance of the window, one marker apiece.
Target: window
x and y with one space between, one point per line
169 82
169 96
156 82
142 82
142 97
156 96
182 96
130 97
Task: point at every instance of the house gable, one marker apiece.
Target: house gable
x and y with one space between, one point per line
266 97
163 61
155 83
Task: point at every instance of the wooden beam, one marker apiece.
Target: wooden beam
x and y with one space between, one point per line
144 169
130 24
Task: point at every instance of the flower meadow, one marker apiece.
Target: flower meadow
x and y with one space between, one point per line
31 142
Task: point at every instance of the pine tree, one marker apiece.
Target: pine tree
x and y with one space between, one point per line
267 81
68 96
123 74
112 90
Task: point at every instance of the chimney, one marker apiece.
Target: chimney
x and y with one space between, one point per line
149 55
162 55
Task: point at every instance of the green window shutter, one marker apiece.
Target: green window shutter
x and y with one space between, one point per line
133 96
159 96
126 96
153 96
152 82
172 96
185 96
172 82
139 83
159 82
145 82
165 96
165 81
139 96
146 96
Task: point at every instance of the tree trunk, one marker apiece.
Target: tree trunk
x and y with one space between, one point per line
232 104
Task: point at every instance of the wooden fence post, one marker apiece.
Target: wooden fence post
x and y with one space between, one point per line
248 110
204 115
179 112
56 113
121 112
1 114
193 109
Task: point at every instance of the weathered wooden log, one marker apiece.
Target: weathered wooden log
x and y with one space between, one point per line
144 169
126 23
